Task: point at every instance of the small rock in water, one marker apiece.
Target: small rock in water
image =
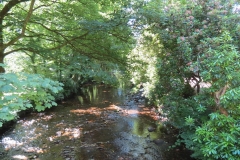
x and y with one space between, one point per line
151 129
32 156
158 141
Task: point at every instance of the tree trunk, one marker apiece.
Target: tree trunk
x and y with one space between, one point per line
217 96
2 70
32 57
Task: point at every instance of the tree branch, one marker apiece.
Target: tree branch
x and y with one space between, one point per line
23 27
66 39
9 6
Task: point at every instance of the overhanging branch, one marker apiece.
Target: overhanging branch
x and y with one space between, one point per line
9 6
23 27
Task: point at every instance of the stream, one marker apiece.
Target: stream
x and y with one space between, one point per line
102 123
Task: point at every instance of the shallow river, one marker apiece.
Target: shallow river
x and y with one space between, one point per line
105 124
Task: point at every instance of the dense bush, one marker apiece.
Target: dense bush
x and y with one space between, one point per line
22 91
196 72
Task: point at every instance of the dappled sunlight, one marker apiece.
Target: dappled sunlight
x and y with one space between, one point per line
135 111
21 157
142 111
33 149
40 116
30 135
10 143
92 110
70 133
22 142
132 111
35 128
31 131
88 127
61 124
95 110
27 123
113 107
47 117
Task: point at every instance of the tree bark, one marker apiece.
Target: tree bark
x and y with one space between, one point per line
2 70
217 96
5 10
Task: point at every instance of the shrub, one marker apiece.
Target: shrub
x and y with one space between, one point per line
22 91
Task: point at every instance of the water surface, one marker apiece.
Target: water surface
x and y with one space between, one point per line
102 123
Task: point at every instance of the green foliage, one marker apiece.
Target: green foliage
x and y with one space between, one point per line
189 121
90 46
195 46
186 53
24 91
221 57
220 132
218 138
142 62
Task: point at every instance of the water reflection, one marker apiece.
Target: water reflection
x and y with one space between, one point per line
99 125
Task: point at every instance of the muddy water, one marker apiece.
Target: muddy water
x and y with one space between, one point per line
105 124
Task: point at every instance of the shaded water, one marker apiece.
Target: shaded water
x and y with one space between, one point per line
106 124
